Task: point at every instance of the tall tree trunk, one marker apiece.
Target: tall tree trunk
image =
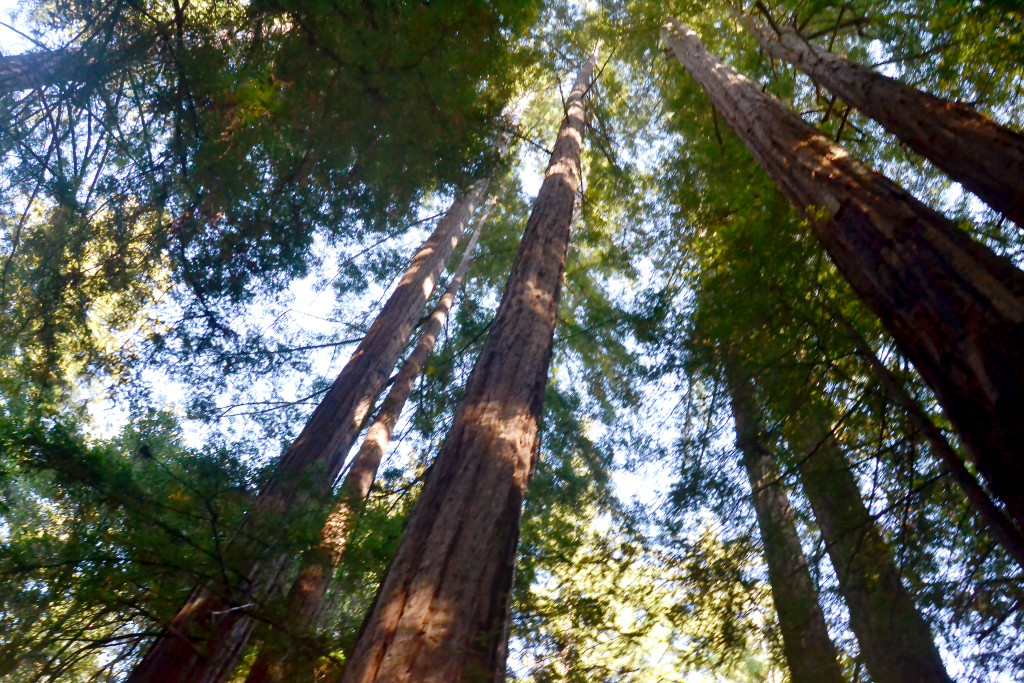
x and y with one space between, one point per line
986 158
305 598
810 653
441 610
203 641
954 308
895 641
1001 527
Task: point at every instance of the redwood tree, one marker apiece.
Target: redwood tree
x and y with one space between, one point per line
895 641
205 638
305 598
810 653
441 610
986 158
954 308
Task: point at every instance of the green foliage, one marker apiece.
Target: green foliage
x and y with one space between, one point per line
156 213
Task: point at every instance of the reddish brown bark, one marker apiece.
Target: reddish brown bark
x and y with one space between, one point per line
810 653
441 610
895 640
954 308
204 640
974 150
305 598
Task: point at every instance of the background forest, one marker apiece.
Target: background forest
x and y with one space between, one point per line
208 210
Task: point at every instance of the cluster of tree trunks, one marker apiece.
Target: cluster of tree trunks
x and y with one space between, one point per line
810 653
441 611
295 659
984 157
953 307
204 640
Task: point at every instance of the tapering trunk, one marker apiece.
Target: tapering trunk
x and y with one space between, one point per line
204 640
954 308
1001 527
895 641
974 150
279 663
810 653
441 610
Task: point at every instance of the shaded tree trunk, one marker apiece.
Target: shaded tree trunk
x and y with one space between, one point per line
203 641
895 641
30 70
974 150
954 308
305 598
440 614
1001 527
810 653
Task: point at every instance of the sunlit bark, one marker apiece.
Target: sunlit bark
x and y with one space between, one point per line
203 641
986 158
305 598
954 308
441 610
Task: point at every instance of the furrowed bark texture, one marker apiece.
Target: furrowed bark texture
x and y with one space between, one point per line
954 308
206 637
440 613
810 653
1001 527
305 598
895 641
974 150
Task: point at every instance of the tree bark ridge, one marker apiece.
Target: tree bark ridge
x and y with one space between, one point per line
954 308
441 610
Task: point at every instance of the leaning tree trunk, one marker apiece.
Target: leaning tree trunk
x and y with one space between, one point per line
810 653
297 662
1001 527
441 610
203 641
954 308
984 157
895 640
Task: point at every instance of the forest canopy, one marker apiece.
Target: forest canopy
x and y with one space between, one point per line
526 340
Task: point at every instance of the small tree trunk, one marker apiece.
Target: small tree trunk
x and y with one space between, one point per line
895 641
810 653
986 158
1001 527
208 634
441 610
305 598
954 308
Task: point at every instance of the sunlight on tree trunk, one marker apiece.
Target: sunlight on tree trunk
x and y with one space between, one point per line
954 308
441 610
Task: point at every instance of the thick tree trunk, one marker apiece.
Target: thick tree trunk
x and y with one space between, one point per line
209 633
895 641
441 610
954 308
974 150
810 653
305 598
1001 527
